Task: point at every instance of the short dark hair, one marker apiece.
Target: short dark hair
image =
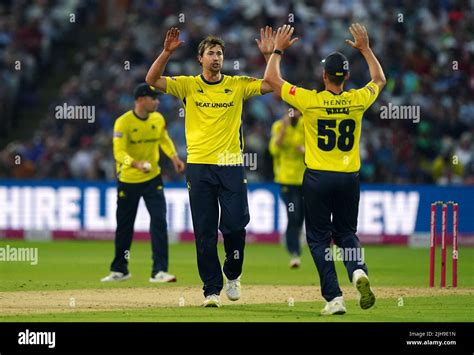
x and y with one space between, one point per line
210 41
337 80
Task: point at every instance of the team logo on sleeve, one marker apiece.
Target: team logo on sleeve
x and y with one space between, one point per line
118 134
293 90
372 91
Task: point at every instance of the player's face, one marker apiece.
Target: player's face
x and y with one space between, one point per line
151 103
212 59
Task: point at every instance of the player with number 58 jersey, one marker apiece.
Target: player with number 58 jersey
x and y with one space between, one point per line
332 122
331 186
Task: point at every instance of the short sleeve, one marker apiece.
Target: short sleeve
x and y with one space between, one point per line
252 86
297 97
178 86
368 94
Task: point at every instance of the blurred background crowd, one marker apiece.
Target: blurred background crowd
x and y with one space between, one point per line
97 56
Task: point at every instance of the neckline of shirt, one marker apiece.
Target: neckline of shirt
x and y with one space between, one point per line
140 118
334 92
210 82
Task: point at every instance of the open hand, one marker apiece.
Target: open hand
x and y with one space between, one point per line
266 43
172 41
283 38
361 38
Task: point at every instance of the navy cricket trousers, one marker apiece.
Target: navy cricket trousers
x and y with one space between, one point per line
292 196
211 186
128 197
332 194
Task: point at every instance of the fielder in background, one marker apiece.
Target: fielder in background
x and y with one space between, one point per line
215 173
287 150
138 135
331 188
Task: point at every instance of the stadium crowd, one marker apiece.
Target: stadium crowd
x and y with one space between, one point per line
426 49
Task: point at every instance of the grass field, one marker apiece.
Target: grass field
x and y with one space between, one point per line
64 286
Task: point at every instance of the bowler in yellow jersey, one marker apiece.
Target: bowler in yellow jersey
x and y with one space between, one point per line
287 149
331 189
138 136
215 173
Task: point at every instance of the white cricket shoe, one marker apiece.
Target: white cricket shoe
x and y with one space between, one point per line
212 301
295 262
336 306
361 282
233 289
163 277
116 276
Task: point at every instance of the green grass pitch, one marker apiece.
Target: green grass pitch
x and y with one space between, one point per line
399 277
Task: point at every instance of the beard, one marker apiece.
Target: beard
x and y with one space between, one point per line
215 68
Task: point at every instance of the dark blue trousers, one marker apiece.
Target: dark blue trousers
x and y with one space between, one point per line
211 186
332 194
292 196
128 197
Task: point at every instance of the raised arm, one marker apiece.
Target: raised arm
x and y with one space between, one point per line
266 45
282 40
361 42
154 76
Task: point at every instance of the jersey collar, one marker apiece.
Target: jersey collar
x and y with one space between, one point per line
212 83
334 92
140 118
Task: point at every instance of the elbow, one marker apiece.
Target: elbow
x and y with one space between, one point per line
149 80
381 82
274 83
270 80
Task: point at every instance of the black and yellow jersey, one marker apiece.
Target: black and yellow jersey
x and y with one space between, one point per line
140 140
213 115
288 160
332 124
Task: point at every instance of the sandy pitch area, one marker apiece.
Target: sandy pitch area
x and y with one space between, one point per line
92 300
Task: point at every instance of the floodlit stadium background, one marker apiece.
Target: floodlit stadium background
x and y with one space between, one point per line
57 176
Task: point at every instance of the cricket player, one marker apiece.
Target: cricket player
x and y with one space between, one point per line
332 121
287 149
138 135
215 171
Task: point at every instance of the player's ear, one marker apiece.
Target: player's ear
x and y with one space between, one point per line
347 76
199 59
325 75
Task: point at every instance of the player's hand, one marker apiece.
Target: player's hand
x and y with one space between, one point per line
178 164
286 121
361 38
266 43
143 166
283 38
301 149
295 113
172 41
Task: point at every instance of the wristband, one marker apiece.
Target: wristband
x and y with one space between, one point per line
277 51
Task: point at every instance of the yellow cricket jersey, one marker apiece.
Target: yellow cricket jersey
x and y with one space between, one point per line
332 124
288 161
140 140
213 116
